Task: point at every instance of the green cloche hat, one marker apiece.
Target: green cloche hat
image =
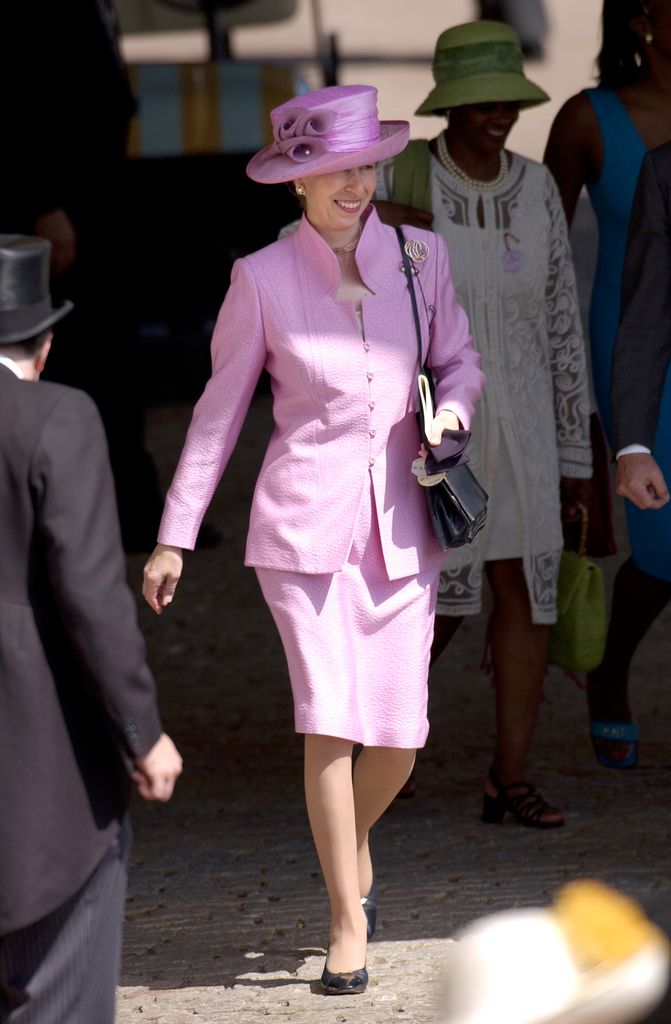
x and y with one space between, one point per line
479 62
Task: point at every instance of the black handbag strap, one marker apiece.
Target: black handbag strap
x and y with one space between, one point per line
413 298
423 370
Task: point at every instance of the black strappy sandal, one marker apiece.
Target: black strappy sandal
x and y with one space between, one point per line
527 805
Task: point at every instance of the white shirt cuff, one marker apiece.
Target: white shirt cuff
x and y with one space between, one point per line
633 449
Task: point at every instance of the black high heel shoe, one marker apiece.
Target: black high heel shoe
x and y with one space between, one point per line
369 904
526 805
344 983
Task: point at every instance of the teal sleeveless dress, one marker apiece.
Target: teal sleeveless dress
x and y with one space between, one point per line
612 196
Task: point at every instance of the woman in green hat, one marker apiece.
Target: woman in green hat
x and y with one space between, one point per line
502 218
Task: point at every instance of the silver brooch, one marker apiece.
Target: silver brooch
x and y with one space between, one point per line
416 250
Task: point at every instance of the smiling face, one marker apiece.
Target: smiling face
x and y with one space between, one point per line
483 127
334 202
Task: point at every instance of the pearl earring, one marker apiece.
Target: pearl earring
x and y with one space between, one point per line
648 37
300 190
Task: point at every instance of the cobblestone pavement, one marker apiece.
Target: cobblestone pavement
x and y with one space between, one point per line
227 913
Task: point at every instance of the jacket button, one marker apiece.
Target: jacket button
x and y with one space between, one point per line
371 462
372 433
369 375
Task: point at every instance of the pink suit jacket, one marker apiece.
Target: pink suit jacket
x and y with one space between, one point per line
343 403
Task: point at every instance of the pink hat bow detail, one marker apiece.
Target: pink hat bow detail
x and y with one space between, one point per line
330 129
302 134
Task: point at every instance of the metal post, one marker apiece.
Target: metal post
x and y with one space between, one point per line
331 60
219 42
325 46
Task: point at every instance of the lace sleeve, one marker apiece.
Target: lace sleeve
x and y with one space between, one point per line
384 188
568 361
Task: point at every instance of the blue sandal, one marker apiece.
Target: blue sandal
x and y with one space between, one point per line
615 732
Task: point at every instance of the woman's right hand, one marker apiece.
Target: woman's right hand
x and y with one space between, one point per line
161 576
397 214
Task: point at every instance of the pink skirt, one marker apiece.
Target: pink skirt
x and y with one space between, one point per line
357 644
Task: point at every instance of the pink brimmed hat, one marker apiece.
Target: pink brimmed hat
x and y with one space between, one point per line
330 129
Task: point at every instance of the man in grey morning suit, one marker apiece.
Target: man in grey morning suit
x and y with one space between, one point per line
643 347
78 710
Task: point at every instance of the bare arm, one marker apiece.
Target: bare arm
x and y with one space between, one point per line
397 214
58 229
574 152
392 213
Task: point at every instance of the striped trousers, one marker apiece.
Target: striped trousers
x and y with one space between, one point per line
64 969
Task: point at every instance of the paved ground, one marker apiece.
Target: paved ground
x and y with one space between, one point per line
227 914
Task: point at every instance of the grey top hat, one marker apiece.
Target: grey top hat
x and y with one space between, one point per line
25 302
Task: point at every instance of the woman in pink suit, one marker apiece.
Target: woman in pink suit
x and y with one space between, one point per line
339 533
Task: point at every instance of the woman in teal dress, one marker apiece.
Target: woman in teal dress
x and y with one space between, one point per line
599 139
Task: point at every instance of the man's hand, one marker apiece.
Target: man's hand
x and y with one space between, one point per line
157 772
640 479
57 227
161 576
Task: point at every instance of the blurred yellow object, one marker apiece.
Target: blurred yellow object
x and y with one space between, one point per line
601 924
591 958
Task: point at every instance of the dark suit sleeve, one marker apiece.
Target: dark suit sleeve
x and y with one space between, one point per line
643 346
77 518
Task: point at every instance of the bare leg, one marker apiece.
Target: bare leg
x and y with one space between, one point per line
330 803
637 601
379 773
444 628
519 656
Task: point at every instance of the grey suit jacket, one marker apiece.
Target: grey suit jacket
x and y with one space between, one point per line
643 347
77 700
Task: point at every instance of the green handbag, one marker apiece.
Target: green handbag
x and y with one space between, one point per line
578 638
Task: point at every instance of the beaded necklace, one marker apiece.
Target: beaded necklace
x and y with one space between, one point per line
475 183
350 247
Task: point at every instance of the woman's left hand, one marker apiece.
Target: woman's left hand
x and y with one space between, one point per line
443 421
573 492
161 576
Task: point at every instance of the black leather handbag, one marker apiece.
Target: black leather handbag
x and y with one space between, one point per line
457 502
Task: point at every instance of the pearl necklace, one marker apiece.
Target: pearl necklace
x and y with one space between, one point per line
475 183
350 247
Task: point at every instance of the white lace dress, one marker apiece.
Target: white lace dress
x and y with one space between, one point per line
513 273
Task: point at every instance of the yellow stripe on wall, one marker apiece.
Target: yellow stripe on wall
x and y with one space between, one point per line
277 86
200 108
